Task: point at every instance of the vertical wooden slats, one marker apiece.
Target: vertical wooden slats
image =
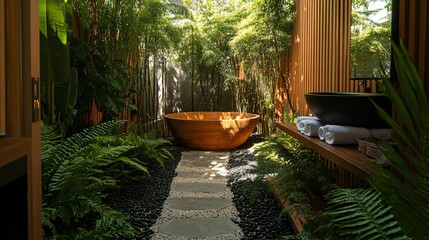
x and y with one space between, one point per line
320 52
413 31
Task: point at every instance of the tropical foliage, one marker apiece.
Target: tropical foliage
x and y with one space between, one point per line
351 213
405 186
78 171
297 170
235 52
59 80
361 214
370 38
115 56
104 52
117 49
396 206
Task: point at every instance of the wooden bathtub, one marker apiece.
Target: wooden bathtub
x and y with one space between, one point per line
211 130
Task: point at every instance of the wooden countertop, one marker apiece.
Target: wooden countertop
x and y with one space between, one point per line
347 157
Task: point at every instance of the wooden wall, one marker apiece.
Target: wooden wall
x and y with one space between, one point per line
320 56
413 31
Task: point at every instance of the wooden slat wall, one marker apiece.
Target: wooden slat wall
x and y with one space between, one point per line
321 53
320 56
320 61
413 30
321 50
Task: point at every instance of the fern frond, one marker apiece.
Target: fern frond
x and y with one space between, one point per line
362 214
71 147
134 163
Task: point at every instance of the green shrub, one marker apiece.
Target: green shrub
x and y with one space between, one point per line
78 170
295 167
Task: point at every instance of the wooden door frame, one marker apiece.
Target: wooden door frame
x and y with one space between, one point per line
22 65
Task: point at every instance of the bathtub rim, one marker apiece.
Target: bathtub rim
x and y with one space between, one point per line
171 116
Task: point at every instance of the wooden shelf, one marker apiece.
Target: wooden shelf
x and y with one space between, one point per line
12 149
347 157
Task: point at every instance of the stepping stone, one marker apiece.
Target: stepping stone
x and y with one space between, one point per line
204 156
203 175
198 227
212 167
203 164
199 187
198 203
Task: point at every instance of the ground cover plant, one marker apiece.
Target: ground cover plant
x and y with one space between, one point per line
77 172
296 170
345 214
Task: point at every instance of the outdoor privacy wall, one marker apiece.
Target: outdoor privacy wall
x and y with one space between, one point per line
320 50
321 46
413 30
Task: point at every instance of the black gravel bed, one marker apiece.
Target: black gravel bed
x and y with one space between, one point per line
142 197
260 218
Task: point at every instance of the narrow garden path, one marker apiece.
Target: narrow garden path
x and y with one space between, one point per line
200 204
200 195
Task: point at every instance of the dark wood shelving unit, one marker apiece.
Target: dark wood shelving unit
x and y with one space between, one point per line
347 157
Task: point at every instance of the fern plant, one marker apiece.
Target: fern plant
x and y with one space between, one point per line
76 174
295 167
361 214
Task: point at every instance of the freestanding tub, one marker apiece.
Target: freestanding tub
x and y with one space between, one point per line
211 130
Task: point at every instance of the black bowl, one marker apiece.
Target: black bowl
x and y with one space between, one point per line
348 109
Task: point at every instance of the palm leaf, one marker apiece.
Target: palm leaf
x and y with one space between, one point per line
406 188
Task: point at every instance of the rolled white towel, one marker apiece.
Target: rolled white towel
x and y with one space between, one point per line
311 127
321 133
300 125
381 133
344 135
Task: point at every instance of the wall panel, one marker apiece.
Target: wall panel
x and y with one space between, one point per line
413 31
320 56
320 51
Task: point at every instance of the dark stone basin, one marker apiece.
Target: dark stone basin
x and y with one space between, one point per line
349 109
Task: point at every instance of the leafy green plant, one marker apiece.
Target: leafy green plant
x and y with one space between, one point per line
361 214
370 39
119 49
405 186
76 173
59 81
295 168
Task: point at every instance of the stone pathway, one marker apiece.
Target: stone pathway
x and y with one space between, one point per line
199 205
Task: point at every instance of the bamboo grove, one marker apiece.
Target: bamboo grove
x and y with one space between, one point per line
117 54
